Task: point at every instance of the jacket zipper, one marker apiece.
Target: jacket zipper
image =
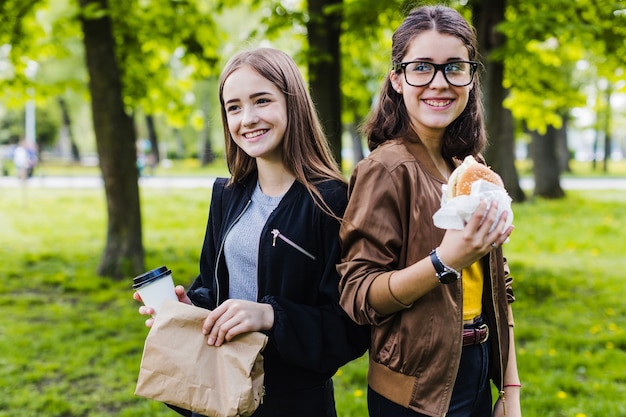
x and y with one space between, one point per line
276 234
219 253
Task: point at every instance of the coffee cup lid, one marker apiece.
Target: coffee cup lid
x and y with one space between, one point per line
147 277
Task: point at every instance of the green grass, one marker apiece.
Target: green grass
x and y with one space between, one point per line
71 342
568 259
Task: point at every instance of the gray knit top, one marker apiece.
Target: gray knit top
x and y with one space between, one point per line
241 247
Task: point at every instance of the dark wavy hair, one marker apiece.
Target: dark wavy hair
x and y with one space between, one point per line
389 119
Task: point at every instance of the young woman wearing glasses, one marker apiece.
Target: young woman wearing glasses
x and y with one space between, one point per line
438 301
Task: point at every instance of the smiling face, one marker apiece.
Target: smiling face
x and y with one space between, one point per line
256 112
433 107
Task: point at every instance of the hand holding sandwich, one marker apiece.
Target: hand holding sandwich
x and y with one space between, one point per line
466 174
485 231
468 185
476 210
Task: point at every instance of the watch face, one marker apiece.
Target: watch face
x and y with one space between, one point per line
448 277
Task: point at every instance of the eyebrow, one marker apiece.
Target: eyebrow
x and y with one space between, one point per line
426 59
255 95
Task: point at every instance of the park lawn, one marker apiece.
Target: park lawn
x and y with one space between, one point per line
71 342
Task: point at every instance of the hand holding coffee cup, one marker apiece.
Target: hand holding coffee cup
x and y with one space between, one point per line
155 286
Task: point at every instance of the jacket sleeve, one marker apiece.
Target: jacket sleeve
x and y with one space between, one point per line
371 237
180 411
319 337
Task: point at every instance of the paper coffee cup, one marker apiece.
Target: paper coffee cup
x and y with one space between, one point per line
155 286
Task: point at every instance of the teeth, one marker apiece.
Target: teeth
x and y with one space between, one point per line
255 133
438 103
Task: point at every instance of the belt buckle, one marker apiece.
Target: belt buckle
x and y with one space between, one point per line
486 329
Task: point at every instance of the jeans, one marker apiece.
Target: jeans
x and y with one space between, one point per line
471 396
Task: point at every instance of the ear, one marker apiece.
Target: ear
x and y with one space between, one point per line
396 81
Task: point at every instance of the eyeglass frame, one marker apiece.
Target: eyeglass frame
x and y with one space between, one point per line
401 66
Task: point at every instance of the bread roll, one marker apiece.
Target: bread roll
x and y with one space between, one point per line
462 178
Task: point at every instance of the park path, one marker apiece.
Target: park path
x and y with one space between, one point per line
207 182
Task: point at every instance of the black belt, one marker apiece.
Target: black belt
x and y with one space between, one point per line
475 336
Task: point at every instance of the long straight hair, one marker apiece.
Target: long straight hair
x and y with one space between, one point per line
390 119
305 150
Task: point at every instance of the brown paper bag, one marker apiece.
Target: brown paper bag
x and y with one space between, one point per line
179 368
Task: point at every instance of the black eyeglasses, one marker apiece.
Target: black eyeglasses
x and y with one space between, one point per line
420 73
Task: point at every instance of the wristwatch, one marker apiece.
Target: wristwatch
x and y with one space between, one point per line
445 274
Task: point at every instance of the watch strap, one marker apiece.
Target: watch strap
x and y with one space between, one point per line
445 274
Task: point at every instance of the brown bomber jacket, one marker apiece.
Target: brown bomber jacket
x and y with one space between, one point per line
414 353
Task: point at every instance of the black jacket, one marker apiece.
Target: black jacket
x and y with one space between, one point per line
298 252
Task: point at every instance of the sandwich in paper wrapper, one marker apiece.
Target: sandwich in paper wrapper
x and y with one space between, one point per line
470 183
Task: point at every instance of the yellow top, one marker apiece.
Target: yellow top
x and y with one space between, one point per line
472 291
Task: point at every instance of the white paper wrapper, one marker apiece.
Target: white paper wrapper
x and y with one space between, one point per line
456 212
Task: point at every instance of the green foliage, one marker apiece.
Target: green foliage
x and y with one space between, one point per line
368 26
165 48
162 47
10 127
12 123
72 342
546 42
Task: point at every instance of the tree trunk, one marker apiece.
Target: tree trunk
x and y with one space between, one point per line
180 143
115 139
206 149
324 28
594 149
357 140
562 148
607 130
69 149
500 153
154 140
545 164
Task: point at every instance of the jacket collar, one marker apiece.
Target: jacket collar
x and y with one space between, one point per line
249 184
416 147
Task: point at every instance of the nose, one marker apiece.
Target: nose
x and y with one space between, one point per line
440 80
250 116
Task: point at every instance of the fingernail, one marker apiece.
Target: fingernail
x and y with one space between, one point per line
211 341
